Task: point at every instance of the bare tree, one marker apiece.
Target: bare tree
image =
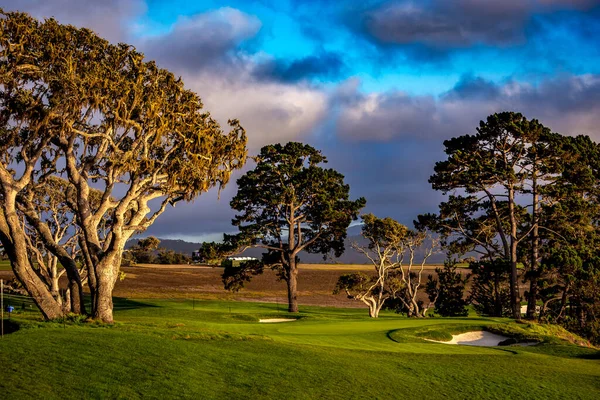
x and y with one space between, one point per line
390 244
412 271
46 212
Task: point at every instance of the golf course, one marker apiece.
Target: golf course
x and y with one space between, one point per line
299 200
181 348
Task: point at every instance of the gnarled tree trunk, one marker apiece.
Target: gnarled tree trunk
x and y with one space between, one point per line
13 239
375 304
104 304
76 296
106 273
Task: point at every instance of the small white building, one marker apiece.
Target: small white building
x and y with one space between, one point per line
237 261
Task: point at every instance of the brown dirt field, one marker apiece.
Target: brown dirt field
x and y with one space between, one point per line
353 267
6 275
315 283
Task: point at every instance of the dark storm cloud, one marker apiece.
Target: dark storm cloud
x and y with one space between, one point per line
387 144
470 87
444 23
430 30
323 65
391 175
567 104
206 218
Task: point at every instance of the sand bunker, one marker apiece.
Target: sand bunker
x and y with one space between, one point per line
275 320
481 338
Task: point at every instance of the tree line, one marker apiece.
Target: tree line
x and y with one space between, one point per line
96 143
522 210
148 251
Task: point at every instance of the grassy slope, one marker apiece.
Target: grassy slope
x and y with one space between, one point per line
166 349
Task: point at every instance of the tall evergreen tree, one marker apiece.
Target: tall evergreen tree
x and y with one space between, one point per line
493 167
289 203
447 292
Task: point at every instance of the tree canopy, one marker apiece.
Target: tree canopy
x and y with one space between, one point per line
509 155
100 116
289 203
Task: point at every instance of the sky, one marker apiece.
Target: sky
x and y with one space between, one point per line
376 85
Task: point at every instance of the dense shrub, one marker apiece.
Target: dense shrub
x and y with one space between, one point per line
143 251
128 260
171 257
490 291
211 253
448 290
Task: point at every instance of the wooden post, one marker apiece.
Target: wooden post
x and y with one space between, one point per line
2 306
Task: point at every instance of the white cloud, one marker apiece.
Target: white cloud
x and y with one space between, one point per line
269 111
203 49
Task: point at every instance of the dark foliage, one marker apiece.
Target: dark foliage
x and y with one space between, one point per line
490 291
171 257
289 203
212 253
235 277
447 292
143 251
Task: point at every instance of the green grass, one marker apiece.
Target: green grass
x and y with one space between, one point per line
167 349
5 265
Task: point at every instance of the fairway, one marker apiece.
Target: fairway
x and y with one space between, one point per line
217 349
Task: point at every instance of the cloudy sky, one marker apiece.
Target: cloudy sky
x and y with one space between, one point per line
377 85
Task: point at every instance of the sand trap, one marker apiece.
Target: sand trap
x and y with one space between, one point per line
276 320
480 338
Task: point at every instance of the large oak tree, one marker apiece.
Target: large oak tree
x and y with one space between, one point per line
100 116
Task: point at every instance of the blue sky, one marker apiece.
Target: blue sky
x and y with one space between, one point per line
377 85
549 38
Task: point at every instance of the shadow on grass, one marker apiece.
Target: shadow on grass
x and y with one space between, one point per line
390 336
504 350
121 304
590 356
10 326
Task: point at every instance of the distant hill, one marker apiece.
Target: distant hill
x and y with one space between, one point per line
350 256
179 246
